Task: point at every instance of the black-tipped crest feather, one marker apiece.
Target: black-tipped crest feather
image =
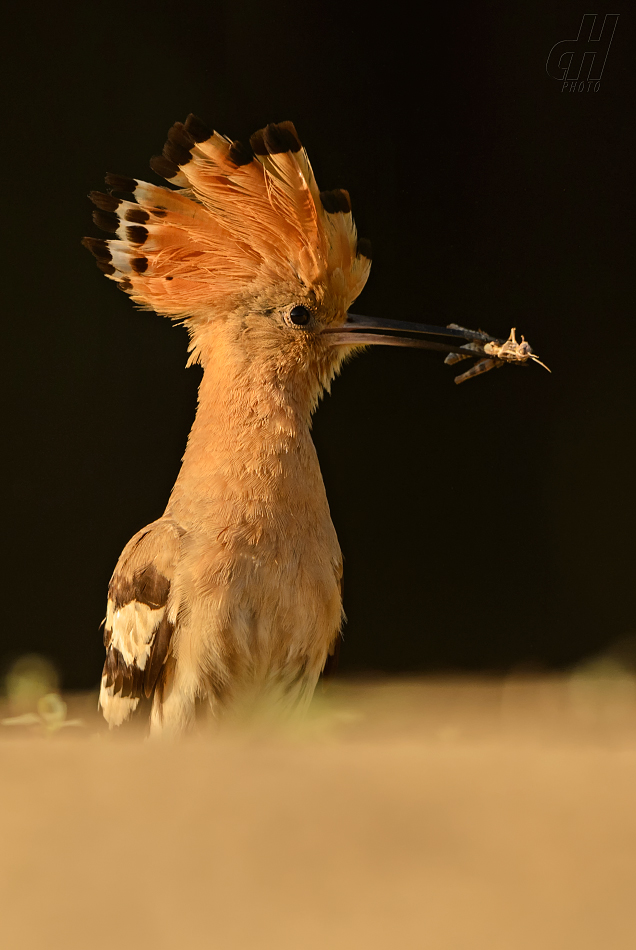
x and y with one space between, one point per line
275 138
163 167
104 202
97 247
106 220
336 201
137 215
176 153
120 183
240 154
364 248
197 129
136 234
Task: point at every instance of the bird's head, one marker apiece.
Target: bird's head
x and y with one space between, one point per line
248 253
258 263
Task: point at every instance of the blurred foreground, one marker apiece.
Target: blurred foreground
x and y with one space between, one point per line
437 813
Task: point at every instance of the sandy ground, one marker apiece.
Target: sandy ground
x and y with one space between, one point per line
446 814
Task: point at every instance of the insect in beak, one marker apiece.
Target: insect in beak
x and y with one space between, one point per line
462 343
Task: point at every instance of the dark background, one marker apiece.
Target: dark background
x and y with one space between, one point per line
485 527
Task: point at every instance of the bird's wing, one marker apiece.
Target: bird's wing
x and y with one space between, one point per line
139 619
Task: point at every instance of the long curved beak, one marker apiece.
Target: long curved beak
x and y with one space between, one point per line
367 331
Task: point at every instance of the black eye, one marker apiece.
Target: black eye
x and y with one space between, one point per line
299 316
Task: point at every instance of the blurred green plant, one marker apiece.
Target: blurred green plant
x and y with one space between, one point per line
31 687
50 715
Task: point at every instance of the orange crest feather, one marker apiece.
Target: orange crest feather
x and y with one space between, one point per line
244 221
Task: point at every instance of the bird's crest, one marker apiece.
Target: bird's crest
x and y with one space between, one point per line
244 221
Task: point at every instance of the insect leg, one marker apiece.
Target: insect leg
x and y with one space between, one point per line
472 349
456 357
477 369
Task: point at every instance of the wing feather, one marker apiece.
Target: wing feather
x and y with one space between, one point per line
140 619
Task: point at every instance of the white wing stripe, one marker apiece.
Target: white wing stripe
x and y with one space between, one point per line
133 630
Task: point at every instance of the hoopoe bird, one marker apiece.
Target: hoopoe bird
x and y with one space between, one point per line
236 590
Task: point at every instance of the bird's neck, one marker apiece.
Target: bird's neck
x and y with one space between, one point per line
250 443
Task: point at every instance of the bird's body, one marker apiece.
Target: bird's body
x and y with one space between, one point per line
235 591
249 554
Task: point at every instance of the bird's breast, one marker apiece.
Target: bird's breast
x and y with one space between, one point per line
260 578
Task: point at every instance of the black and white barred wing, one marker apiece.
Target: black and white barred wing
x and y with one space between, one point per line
140 619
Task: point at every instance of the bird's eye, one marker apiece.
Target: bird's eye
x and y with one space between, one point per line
299 316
